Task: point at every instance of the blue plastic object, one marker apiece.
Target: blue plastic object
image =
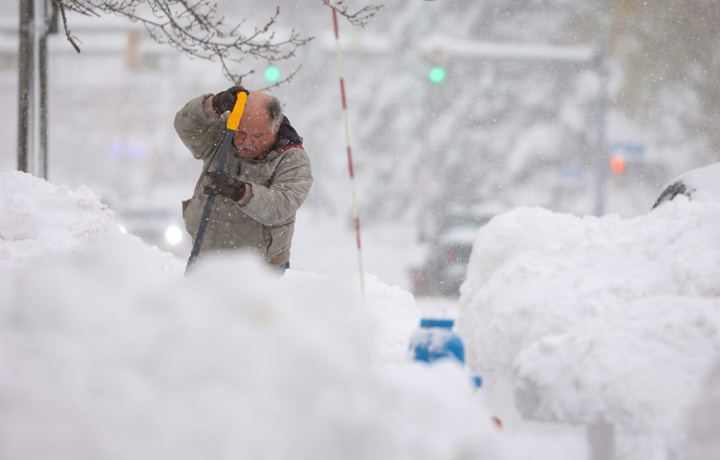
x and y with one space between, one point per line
435 340
475 379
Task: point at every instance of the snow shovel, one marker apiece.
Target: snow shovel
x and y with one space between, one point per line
232 125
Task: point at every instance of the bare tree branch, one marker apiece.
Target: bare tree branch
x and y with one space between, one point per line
195 28
359 17
61 7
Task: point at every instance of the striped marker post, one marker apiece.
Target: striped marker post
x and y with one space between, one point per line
349 149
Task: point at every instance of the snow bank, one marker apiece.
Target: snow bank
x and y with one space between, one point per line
109 352
704 432
597 320
39 220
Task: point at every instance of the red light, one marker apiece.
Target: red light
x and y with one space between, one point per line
617 165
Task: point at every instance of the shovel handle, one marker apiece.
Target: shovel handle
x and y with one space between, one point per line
237 111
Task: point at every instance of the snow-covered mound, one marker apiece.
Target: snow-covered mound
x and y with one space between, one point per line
597 320
39 220
700 181
108 352
704 432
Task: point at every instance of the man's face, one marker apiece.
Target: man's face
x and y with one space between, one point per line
255 135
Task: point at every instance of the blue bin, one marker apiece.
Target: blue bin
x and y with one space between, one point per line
435 340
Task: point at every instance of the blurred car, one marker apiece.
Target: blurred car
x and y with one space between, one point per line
701 180
156 226
449 253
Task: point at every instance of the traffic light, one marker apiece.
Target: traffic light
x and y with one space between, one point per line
436 75
618 165
272 74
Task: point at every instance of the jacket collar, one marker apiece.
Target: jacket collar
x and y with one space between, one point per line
286 136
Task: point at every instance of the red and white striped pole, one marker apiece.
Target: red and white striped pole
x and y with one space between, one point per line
349 149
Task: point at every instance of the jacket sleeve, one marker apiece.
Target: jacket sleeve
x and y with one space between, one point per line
201 133
291 182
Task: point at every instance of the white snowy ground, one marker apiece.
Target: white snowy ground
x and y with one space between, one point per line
108 352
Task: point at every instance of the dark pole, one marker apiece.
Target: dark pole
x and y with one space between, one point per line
25 80
43 76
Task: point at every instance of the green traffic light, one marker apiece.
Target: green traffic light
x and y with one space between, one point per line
272 74
437 74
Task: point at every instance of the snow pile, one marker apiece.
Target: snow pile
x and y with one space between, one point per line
40 220
109 352
704 439
700 180
393 316
597 320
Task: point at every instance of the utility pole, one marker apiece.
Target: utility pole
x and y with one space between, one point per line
49 26
600 163
26 60
35 25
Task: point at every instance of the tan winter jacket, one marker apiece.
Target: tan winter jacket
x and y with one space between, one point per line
264 220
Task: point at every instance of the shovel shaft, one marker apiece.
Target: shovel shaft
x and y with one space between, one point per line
230 127
205 219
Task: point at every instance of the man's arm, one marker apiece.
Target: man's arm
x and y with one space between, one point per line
291 184
199 127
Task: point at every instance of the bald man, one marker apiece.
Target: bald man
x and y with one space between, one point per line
265 180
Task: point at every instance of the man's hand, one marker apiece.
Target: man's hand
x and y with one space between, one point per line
225 101
220 183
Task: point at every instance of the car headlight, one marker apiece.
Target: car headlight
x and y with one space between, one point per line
173 235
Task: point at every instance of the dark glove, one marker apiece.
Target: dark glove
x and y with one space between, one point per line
220 183
225 101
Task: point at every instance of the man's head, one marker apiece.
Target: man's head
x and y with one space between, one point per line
259 125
